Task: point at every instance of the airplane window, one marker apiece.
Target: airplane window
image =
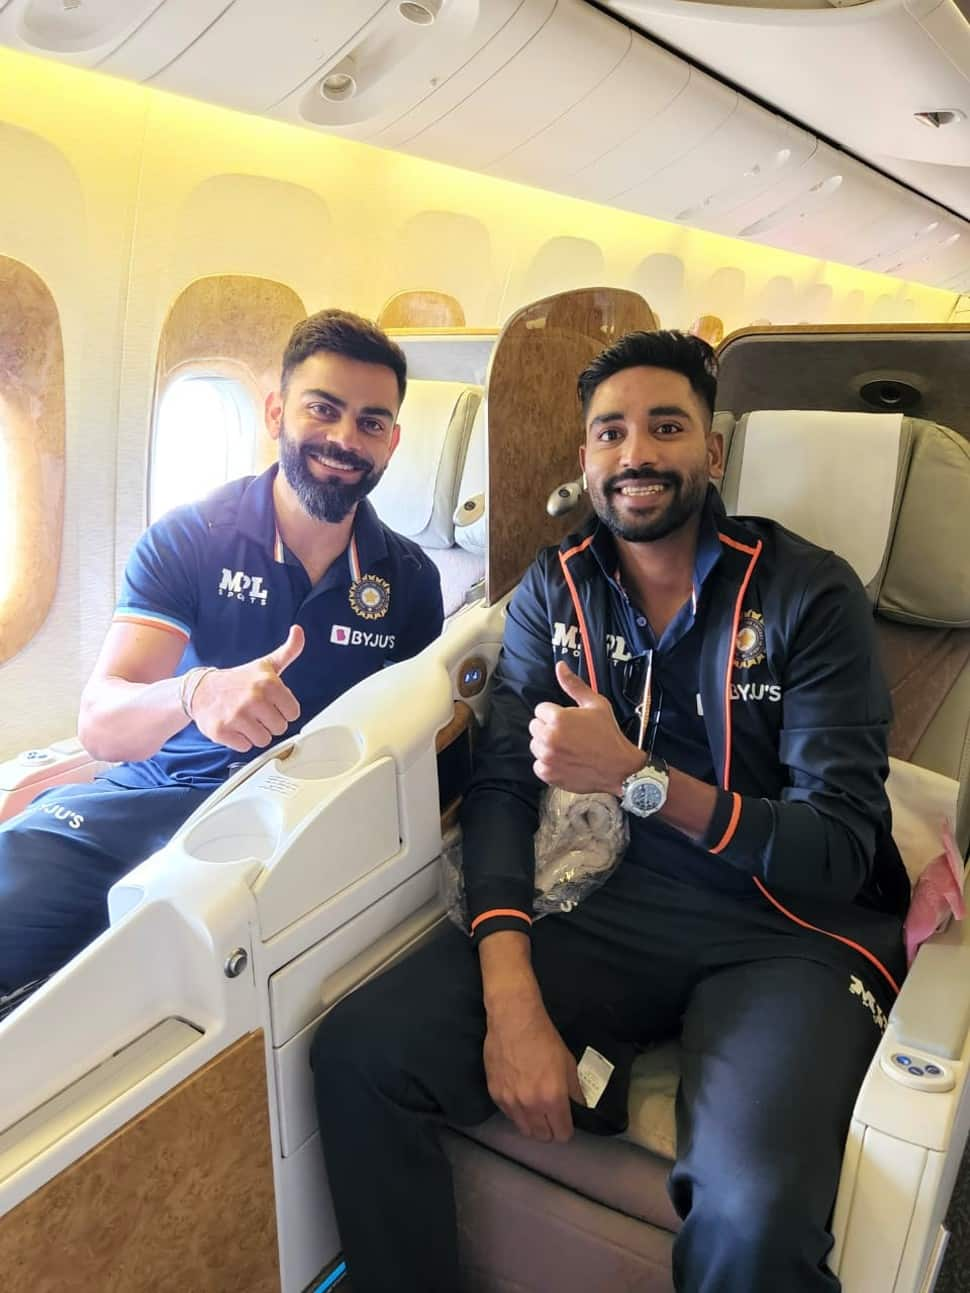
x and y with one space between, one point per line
205 434
32 459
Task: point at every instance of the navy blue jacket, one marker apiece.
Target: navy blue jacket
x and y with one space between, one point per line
795 705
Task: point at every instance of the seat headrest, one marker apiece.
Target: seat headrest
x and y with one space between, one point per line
419 491
473 537
888 493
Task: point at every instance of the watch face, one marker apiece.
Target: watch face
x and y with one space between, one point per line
646 797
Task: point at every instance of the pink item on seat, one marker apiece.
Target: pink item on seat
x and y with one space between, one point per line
937 896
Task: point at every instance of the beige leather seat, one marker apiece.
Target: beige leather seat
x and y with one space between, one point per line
892 495
420 489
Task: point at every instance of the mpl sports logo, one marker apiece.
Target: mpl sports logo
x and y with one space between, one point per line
343 635
236 583
566 640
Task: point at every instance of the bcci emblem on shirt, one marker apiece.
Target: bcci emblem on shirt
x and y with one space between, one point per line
749 646
370 597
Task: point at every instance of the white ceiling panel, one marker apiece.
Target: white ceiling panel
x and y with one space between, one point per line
253 53
566 59
857 73
645 82
78 33
400 74
751 152
824 219
686 123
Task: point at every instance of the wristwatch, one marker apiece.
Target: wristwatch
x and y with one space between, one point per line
645 792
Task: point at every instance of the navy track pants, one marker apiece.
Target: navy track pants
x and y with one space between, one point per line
776 1038
59 858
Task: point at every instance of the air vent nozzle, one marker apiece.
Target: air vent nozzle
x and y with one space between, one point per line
943 117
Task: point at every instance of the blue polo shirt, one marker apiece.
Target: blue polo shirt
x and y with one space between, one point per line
676 727
217 575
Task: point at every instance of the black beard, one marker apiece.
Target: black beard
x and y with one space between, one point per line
687 497
325 500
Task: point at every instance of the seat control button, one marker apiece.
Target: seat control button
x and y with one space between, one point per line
922 1072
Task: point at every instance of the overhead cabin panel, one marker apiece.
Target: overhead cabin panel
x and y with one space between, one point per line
939 259
476 122
826 216
684 125
856 72
749 153
645 82
80 33
790 183
393 67
250 56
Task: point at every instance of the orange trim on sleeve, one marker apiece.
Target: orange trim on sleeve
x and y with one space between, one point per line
755 554
732 825
563 558
122 618
500 911
839 938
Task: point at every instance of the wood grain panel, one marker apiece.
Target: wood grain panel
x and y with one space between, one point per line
421 309
230 325
534 419
180 1198
32 418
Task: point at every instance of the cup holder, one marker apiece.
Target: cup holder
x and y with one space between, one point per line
319 755
237 831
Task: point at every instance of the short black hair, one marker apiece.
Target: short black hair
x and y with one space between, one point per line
338 332
678 351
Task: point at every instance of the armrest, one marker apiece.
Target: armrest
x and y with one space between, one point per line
931 1021
932 1013
31 772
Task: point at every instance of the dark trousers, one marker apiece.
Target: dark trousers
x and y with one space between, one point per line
775 1044
59 858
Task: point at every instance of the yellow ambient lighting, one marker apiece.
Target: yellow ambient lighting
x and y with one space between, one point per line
179 143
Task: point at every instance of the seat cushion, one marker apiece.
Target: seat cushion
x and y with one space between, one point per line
519 1232
611 1170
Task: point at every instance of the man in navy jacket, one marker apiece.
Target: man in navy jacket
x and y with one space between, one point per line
719 678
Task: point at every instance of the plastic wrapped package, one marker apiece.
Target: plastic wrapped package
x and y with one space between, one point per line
580 842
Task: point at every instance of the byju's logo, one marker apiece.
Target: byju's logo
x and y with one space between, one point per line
236 583
341 635
62 814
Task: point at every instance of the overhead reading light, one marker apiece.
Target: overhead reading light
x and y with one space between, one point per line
421 12
337 87
944 117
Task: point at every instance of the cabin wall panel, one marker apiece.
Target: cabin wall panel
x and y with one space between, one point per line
124 196
67 212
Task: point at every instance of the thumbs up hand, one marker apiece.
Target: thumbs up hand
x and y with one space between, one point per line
249 705
580 747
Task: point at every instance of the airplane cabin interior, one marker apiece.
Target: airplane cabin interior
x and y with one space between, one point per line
506 187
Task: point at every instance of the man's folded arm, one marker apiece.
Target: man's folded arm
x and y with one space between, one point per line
500 811
820 836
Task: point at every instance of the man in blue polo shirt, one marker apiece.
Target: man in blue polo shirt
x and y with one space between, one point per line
240 618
